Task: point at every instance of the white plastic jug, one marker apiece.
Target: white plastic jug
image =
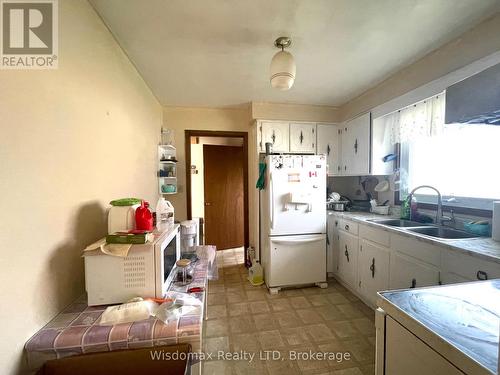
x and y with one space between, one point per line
256 274
164 212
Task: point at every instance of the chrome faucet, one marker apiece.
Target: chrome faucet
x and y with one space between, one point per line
440 219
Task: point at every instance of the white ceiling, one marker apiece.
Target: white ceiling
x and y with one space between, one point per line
217 52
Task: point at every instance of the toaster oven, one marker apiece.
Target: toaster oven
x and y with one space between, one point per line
145 272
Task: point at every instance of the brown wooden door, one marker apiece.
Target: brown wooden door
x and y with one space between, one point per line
224 194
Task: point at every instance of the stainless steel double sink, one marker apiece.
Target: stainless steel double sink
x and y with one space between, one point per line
427 230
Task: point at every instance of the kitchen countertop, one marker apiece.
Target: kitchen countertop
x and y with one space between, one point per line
459 321
481 247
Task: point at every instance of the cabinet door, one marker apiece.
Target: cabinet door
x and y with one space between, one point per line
373 270
332 255
303 138
356 146
276 133
328 143
406 354
348 257
407 273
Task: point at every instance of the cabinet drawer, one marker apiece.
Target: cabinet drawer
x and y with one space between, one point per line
469 267
348 226
417 249
375 235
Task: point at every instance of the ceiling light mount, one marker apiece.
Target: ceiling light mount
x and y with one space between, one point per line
283 42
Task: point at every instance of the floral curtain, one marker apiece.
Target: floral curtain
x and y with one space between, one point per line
423 119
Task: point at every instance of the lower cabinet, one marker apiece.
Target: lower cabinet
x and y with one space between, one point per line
348 258
373 269
332 249
406 354
406 272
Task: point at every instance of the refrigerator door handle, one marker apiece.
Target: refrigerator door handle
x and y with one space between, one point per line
299 240
271 203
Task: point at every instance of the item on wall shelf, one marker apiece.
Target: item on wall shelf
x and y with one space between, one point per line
496 221
168 189
167 137
143 217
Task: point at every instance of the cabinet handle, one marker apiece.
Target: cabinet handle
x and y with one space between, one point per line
345 167
273 137
338 168
356 146
327 149
481 275
346 253
372 268
336 223
346 227
413 283
301 137
327 240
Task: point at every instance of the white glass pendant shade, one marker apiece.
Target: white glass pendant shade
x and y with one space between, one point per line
283 70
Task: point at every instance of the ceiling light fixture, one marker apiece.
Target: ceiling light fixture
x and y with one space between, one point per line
283 67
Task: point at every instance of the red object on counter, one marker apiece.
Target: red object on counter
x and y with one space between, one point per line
143 217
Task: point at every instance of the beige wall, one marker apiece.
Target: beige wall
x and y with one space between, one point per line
473 45
72 140
294 112
187 118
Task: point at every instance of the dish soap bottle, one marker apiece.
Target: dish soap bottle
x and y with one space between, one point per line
405 209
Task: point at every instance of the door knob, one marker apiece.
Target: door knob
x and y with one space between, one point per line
208 204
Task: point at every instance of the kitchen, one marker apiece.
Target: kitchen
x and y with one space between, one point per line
86 131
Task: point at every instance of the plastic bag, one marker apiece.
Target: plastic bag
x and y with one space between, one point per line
181 304
128 312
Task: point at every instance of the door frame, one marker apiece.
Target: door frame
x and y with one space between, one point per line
228 134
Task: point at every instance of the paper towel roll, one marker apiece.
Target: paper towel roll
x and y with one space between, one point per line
495 224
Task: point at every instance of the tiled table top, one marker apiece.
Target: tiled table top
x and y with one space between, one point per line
76 330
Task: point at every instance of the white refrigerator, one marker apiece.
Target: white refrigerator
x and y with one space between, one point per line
293 221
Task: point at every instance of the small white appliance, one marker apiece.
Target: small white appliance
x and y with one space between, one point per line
189 234
121 218
145 272
293 221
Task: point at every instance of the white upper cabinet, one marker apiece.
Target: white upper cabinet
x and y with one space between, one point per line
302 138
276 133
356 146
328 142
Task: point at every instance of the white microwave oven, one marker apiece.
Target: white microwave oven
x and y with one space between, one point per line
145 272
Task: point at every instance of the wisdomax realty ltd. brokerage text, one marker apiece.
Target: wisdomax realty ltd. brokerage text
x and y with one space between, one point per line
248 356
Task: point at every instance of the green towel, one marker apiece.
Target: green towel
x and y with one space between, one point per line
262 173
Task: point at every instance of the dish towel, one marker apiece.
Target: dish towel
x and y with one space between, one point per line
262 173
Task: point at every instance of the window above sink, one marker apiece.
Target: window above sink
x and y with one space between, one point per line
459 162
